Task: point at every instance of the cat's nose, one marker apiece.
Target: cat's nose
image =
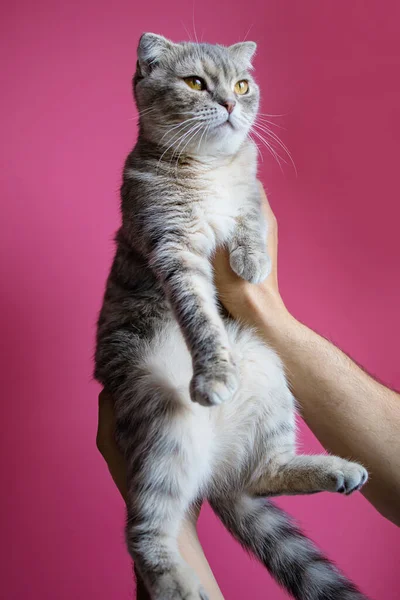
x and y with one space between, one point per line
229 105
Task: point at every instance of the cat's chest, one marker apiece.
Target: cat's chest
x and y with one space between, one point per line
223 199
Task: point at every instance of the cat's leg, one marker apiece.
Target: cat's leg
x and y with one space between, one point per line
167 443
187 278
163 482
247 248
304 474
152 544
283 472
267 405
260 429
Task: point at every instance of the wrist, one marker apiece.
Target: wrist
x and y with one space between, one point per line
268 312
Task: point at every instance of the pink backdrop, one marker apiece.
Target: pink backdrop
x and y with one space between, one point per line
333 70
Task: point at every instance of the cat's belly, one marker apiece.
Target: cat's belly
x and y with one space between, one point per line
262 396
230 444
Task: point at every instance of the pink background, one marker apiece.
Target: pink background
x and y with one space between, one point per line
333 70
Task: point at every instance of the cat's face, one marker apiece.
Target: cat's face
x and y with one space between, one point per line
198 99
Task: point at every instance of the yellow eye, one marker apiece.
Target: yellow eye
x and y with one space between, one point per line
242 87
196 83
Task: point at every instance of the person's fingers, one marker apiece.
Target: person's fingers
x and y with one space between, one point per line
106 443
222 269
272 238
105 423
265 203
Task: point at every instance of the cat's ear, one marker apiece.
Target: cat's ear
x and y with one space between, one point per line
150 49
243 52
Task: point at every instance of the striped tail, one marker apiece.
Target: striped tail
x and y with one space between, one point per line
292 559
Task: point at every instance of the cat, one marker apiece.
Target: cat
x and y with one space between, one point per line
203 409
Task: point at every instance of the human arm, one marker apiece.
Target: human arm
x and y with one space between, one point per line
350 413
188 540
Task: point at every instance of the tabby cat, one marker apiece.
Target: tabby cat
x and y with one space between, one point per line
203 408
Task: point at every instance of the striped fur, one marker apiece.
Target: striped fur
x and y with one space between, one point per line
202 405
266 531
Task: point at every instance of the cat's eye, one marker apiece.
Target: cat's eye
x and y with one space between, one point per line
196 83
242 87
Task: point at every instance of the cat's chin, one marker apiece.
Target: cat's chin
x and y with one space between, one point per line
225 148
228 125
225 123
226 129
227 134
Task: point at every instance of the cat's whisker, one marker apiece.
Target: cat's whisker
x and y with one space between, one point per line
181 137
201 139
277 157
277 139
272 116
187 31
185 134
255 130
189 113
146 110
152 109
170 146
140 113
247 123
194 26
243 120
196 118
259 151
195 132
264 120
273 136
176 135
171 126
189 138
248 31
182 123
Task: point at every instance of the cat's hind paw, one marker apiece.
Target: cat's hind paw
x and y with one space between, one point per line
350 478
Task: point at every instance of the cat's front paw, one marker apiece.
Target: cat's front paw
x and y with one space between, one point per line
251 265
215 384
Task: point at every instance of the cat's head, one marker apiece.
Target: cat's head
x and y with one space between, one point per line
195 98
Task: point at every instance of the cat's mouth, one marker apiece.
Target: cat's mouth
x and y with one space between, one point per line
227 122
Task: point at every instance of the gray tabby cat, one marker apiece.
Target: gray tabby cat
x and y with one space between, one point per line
202 405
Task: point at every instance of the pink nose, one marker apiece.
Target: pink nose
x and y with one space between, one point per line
229 105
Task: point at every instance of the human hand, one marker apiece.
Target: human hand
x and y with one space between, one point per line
188 541
106 443
247 302
109 450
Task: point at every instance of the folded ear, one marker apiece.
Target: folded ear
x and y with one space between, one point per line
150 49
243 52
